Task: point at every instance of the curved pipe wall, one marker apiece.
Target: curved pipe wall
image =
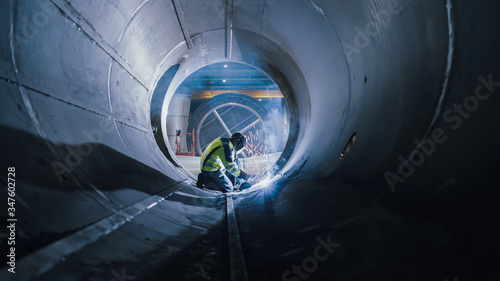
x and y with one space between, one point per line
78 80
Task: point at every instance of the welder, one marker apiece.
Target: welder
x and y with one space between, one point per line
219 163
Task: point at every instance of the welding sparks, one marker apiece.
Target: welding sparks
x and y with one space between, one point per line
256 151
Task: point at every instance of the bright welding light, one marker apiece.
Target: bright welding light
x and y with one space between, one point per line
263 183
225 66
224 81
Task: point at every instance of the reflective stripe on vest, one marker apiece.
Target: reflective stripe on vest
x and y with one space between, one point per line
208 157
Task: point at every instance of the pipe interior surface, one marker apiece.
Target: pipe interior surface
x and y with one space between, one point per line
84 81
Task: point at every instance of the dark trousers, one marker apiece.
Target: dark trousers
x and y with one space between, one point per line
217 180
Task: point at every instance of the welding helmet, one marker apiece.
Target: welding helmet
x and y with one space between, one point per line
239 141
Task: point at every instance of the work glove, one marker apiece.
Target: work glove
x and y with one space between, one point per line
244 175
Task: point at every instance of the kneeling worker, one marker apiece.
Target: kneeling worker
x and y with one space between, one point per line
221 154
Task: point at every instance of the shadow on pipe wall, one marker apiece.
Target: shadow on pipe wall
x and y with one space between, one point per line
54 202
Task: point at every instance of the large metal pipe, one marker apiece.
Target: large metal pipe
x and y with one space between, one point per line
77 87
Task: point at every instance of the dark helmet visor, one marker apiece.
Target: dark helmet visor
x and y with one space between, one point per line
240 141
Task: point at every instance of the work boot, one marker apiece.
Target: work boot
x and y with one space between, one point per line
201 180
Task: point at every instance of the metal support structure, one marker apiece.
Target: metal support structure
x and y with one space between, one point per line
222 123
179 11
227 130
229 28
236 258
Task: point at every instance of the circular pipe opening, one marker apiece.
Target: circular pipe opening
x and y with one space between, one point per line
206 106
254 51
221 99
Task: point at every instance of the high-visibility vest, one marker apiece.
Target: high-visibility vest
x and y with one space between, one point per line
220 154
